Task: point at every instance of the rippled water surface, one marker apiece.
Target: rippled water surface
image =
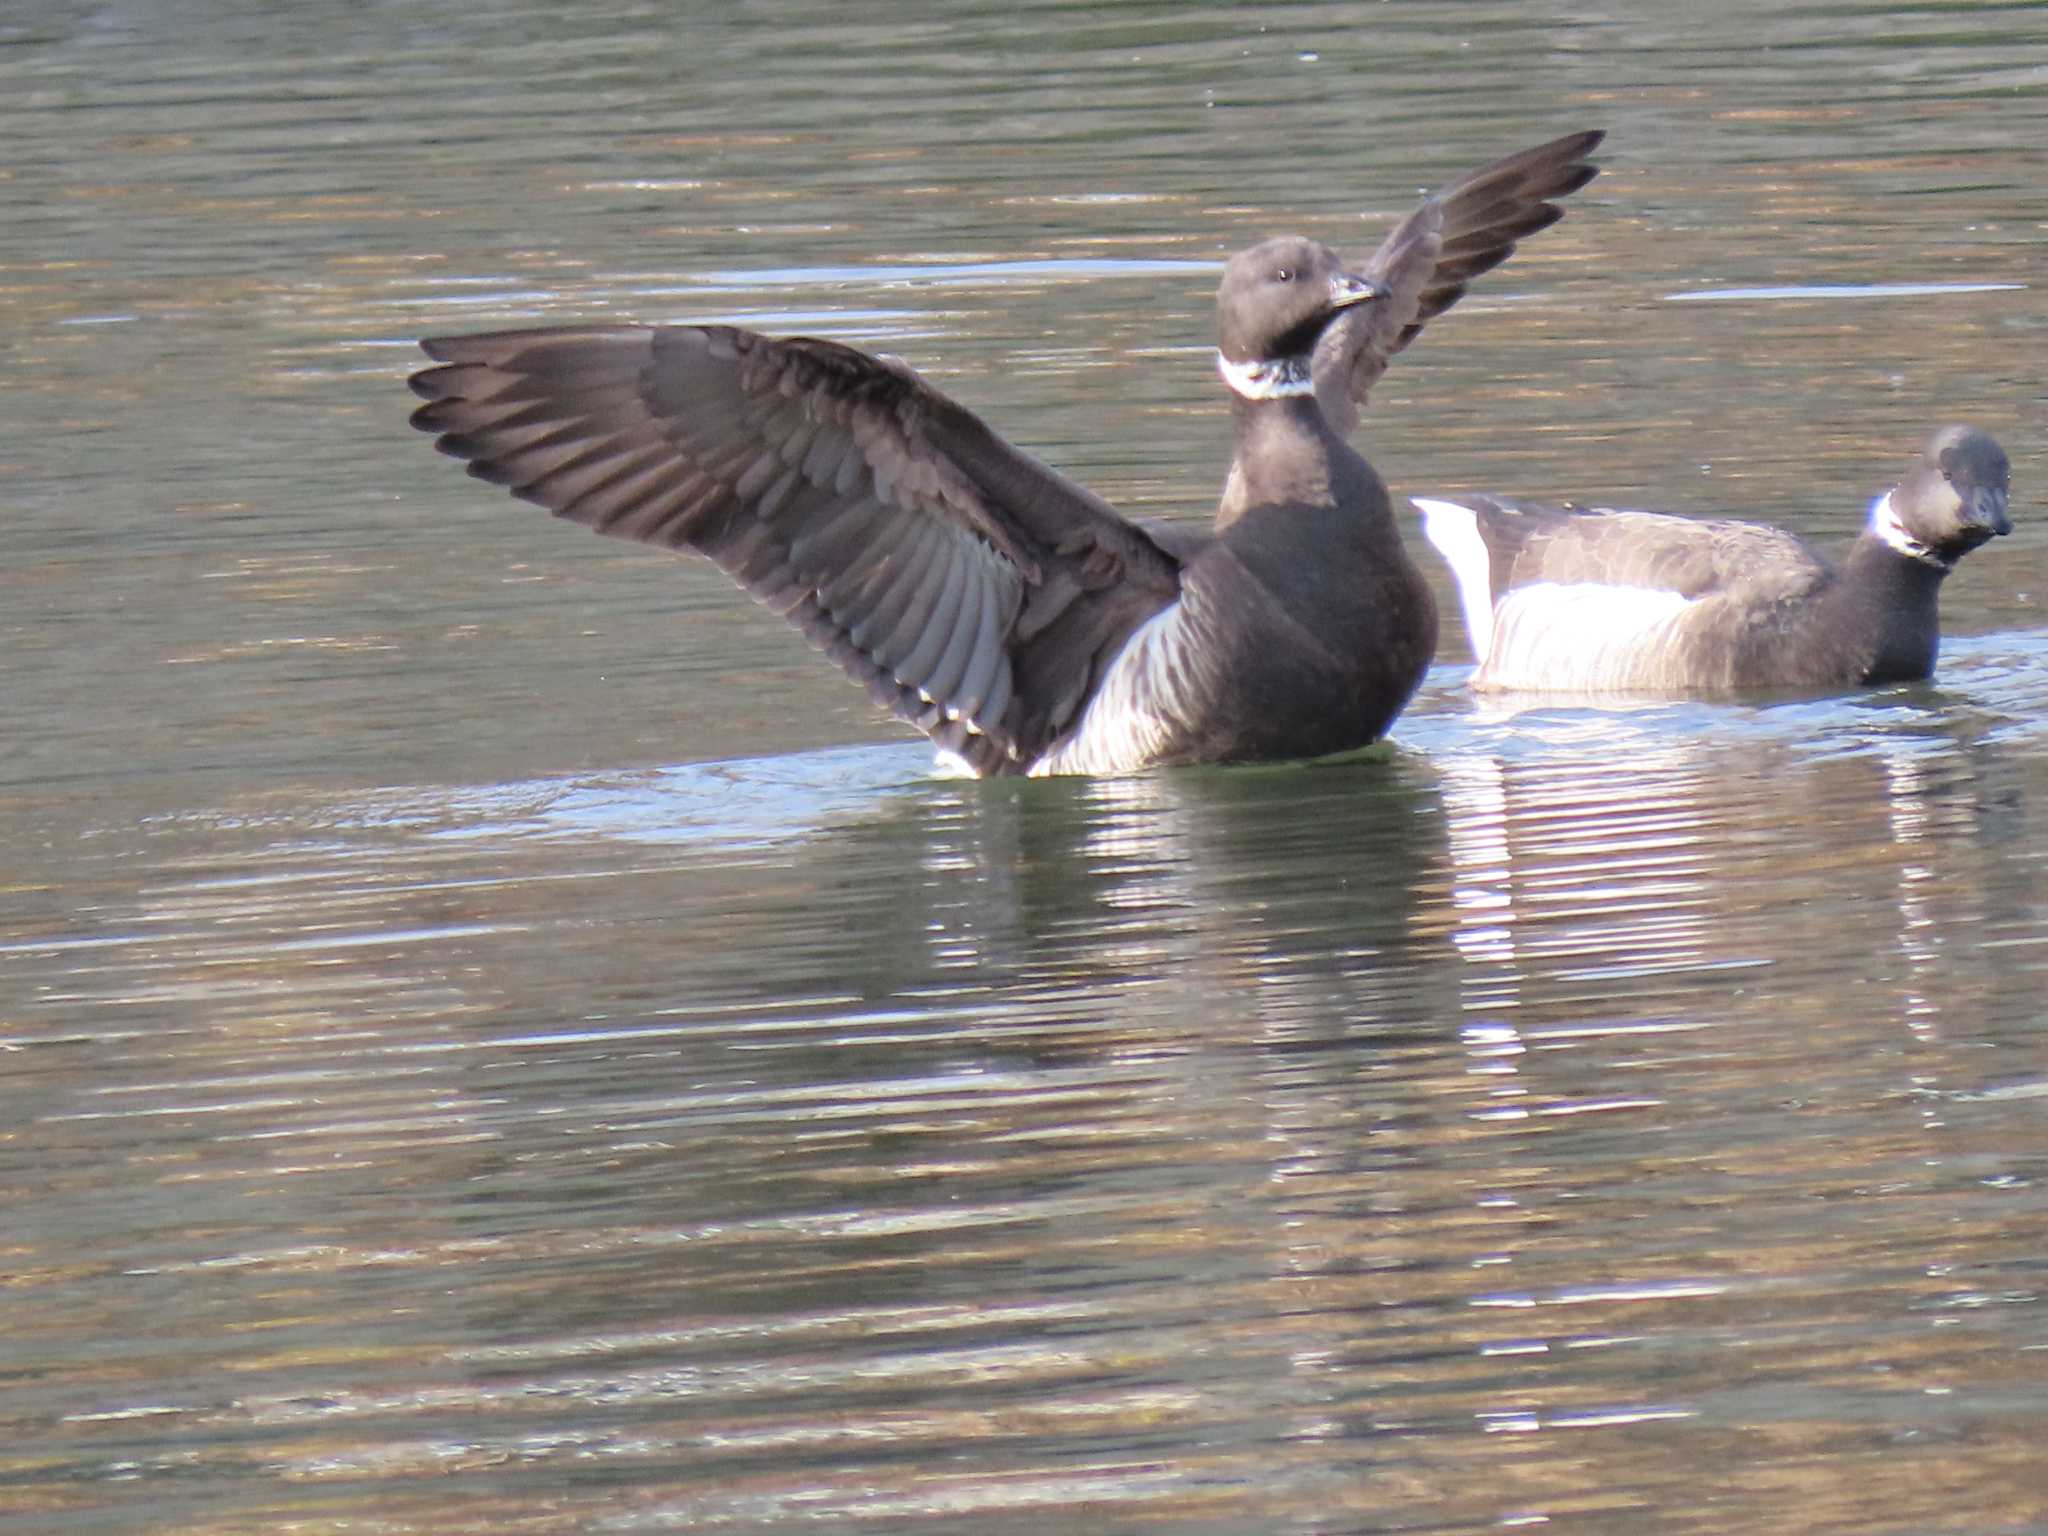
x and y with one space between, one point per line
494 1036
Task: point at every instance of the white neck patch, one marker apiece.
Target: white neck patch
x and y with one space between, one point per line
1886 528
1267 379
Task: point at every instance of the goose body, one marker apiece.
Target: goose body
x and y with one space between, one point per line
980 595
1563 600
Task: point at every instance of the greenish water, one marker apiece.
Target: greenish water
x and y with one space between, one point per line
494 1036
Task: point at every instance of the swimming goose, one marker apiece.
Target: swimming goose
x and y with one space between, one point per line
1561 600
1009 613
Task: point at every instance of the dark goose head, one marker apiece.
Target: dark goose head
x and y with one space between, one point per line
1954 500
1274 302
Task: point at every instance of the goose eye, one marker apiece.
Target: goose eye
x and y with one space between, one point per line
1283 274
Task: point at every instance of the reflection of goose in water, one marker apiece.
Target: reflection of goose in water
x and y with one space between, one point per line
1625 875
1919 941
1570 890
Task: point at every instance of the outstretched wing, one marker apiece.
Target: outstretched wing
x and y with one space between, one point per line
972 590
1426 264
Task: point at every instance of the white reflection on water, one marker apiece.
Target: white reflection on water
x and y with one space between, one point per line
1592 866
1906 780
1602 850
1839 291
744 803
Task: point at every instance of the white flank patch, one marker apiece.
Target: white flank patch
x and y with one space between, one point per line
1267 379
1885 526
1582 637
1454 530
1138 705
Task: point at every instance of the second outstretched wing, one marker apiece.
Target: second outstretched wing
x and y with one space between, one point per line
1427 263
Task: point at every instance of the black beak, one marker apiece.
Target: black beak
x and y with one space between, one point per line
1984 508
1346 290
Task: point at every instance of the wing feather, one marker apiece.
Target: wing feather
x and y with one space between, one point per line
985 662
932 566
1468 228
1693 558
950 670
885 521
937 629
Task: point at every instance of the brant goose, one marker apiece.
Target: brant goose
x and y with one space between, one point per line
1007 612
1566 600
1427 263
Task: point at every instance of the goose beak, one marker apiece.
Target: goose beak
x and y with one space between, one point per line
1346 290
1985 508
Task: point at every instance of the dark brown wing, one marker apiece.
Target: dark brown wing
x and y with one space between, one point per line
970 589
1425 265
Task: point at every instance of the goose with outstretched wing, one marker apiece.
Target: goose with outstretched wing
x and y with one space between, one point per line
1009 613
